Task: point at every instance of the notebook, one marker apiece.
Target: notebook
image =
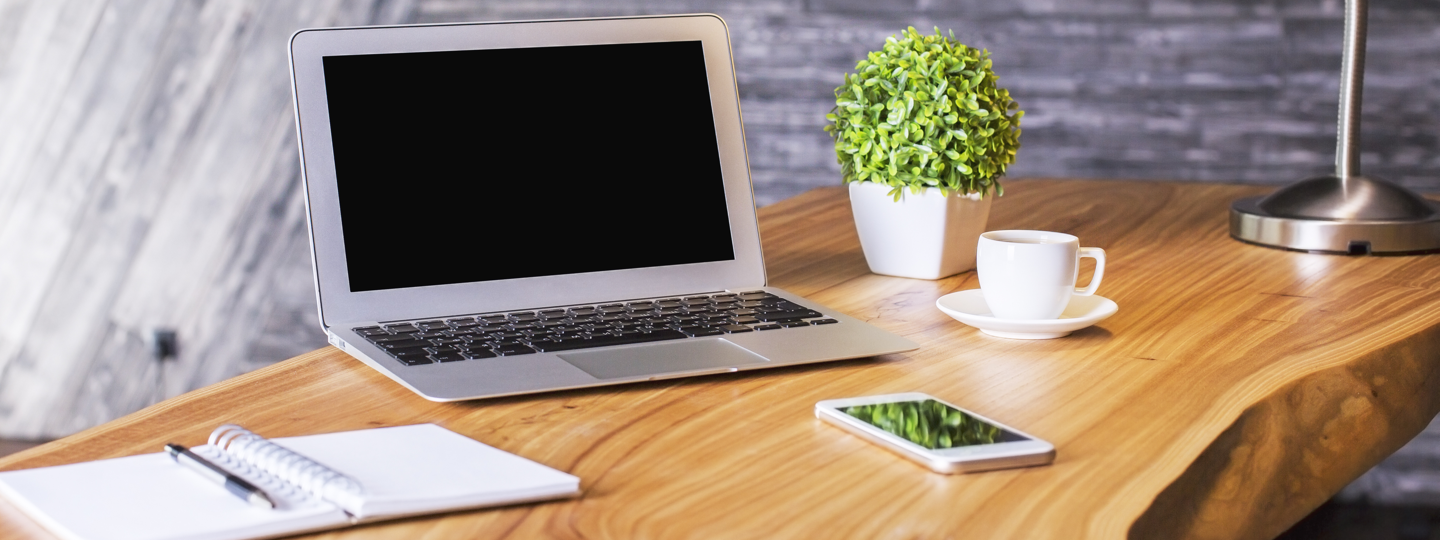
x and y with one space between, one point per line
399 471
530 206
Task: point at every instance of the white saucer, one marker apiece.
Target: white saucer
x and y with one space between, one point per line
969 307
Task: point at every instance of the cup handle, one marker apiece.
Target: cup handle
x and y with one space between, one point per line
1099 256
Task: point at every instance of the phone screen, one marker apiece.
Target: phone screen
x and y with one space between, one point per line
931 424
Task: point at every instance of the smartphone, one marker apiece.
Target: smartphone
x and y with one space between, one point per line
936 434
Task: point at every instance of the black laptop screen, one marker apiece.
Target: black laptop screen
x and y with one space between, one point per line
468 166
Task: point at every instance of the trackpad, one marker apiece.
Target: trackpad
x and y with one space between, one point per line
661 358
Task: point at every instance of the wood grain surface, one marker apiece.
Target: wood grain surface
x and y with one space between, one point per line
1237 388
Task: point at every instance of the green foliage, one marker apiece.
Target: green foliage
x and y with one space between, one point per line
927 423
922 112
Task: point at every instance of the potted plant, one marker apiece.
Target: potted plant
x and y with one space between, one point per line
923 136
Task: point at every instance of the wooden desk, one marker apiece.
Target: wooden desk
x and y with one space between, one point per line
1237 389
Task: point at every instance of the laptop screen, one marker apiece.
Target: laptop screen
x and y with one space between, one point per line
470 166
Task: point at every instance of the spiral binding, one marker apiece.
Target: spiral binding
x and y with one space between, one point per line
287 465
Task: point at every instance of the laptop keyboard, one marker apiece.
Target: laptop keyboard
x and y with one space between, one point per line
582 327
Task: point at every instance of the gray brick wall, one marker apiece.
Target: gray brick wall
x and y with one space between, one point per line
1203 90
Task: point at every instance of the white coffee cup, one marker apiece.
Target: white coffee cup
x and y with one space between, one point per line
1031 274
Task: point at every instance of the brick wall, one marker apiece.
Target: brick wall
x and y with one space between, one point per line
1204 90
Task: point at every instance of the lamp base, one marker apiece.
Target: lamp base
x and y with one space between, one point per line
1252 224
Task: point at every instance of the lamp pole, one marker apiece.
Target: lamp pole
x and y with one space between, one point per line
1352 84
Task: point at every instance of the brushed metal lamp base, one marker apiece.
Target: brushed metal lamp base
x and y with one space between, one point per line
1361 216
1346 213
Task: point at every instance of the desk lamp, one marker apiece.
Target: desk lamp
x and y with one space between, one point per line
1345 213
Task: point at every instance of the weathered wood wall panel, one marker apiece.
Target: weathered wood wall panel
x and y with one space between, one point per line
170 199
149 179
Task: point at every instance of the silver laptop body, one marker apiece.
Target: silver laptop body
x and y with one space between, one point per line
517 207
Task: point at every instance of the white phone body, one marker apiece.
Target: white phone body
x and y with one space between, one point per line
1027 451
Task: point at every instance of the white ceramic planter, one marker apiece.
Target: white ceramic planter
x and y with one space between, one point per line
926 236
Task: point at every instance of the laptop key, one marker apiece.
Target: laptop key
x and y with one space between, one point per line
787 316
414 360
736 328
513 350
703 331
768 327
387 338
792 324
478 353
447 357
823 321
403 345
778 306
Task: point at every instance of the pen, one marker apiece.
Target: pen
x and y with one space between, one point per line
234 484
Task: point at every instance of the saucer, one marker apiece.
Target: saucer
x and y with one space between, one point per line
969 307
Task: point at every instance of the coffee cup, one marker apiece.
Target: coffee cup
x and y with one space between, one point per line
1030 275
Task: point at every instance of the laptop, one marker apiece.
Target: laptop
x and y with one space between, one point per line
517 207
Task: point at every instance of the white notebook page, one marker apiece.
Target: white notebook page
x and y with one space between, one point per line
427 468
152 497
404 470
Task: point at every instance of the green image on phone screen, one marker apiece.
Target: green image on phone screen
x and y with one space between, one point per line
931 424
